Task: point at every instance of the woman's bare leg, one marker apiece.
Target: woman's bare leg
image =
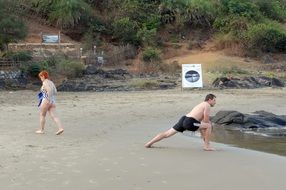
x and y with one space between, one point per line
52 112
43 112
161 136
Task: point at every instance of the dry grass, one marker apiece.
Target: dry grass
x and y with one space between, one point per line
145 84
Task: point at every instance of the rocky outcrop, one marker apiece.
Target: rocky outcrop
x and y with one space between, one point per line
259 119
12 80
99 80
247 82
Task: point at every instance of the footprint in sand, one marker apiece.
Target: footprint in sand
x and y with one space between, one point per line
66 182
164 182
92 181
76 171
70 164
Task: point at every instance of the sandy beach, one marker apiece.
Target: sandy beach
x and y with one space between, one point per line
103 143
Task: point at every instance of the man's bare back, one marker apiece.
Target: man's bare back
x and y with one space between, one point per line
200 112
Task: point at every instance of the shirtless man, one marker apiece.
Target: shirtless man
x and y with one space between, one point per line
197 119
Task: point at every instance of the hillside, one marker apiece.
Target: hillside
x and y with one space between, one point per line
214 62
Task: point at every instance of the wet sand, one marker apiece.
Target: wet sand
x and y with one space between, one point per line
103 143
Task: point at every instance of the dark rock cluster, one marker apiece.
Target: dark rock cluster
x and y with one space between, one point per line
12 80
247 82
99 80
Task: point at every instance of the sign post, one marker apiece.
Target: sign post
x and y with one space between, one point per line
192 76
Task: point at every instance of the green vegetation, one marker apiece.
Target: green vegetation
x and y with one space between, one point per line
58 65
34 69
23 56
151 54
12 28
254 25
70 68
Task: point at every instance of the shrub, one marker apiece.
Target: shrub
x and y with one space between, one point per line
12 29
147 37
232 24
236 16
44 65
275 10
19 56
182 13
266 37
34 69
88 41
199 12
151 54
125 30
242 8
70 68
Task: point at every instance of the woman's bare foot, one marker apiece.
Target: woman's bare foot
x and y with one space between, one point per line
60 131
209 149
39 131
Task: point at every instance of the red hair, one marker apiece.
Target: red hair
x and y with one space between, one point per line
45 74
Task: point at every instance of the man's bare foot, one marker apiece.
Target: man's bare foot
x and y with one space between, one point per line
60 131
39 131
209 149
147 145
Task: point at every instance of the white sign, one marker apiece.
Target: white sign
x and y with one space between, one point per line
50 39
192 75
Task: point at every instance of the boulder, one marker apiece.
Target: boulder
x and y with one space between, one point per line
259 119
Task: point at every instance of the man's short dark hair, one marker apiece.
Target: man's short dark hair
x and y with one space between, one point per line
210 97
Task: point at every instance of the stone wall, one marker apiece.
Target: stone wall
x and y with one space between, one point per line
44 50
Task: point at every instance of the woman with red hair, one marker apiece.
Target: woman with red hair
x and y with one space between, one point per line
48 103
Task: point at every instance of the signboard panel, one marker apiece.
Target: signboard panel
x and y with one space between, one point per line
192 75
50 39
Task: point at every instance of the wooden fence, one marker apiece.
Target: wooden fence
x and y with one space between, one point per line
6 64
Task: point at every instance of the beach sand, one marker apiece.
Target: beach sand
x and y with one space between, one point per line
103 143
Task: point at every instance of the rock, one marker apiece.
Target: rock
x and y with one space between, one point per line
277 83
228 117
284 57
91 70
267 59
247 82
2 84
164 85
259 119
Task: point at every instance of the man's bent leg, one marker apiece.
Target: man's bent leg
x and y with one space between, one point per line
161 136
207 128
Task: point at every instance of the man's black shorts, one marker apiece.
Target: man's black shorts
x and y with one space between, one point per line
187 123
